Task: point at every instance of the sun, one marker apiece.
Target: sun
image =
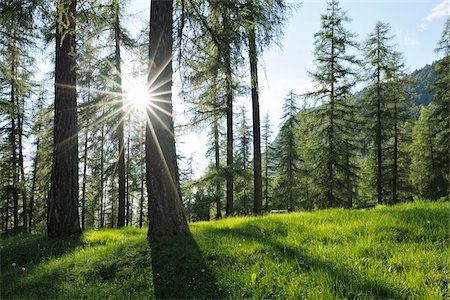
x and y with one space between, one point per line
136 95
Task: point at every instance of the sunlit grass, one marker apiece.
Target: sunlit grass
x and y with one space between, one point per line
398 252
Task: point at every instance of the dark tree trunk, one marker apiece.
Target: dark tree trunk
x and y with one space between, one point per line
395 166
23 183
217 165
230 166
120 127
83 189
129 221
33 183
330 194
257 180
63 199
167 214
15 173
102 176
378 133
141 201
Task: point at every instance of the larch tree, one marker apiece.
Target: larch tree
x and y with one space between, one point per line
378 51
63 199
334 77
167 215
263 22
286 152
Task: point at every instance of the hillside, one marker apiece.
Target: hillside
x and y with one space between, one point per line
395 252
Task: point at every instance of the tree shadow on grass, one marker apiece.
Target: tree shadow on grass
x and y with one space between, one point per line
180 270
22 254
354 283
32 249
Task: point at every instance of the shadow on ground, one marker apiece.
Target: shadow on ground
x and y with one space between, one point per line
180 271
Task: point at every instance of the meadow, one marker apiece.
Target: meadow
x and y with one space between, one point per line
397 252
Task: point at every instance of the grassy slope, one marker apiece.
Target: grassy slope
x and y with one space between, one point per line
389 252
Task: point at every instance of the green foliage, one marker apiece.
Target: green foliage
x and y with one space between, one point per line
334 172
397 252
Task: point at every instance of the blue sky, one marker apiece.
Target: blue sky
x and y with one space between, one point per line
417 27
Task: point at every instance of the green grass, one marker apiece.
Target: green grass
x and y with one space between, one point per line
399 252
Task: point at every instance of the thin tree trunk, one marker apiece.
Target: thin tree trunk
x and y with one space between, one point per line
395 166
378 133
128 219
167 214
141 202
217 165
23 183
63 199
15 173
83 192
120 128
230 165
330 196
102 175
257 180
33 183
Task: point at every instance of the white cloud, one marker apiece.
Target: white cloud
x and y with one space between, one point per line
440 10
409 41
423 27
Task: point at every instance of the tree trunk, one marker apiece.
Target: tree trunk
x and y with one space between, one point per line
378 133
217 165
63 199
395 166
167 214
15 173
141 201
102 174
23 183
127 181
230 166
83 190
33 183
120 127
257 180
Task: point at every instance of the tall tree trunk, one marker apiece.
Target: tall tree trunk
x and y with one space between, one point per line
33 183
141 201
63 199
15 173
230 165
83 190
217 165
395 166
257 180
330 196
378 133
127 181
167 214
102 174
23 183
120 128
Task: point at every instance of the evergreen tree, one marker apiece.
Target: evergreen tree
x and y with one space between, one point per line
286 152
379 52
335 75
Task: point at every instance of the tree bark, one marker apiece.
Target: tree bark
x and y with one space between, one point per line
63 199
257 180
15 173
217 164
120 128
378 133
33 183
229 95
167 214
83 189
395 166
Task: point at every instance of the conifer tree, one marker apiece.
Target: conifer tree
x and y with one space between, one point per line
335 75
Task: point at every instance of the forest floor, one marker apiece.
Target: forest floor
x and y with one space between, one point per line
398 252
